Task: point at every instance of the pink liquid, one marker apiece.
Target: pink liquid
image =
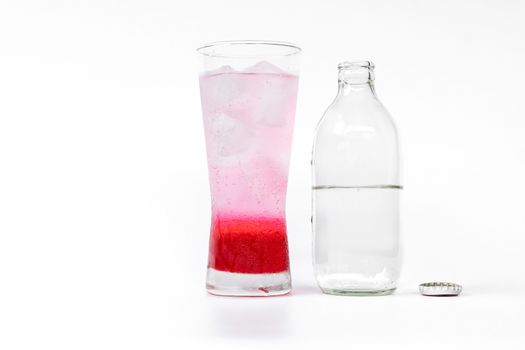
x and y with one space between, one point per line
248 121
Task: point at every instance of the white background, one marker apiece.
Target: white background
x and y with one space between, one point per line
104 200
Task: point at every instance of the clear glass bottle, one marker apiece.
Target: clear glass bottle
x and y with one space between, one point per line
355 193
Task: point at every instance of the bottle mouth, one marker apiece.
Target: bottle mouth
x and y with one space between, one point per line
356 65
356 72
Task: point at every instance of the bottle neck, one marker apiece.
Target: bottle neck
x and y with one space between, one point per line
356 80
365 90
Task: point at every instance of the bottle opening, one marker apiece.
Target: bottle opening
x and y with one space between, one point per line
356 65
356 72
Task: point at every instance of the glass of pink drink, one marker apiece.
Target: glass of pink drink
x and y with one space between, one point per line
248 94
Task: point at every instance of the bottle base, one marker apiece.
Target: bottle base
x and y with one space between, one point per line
357 292
248 284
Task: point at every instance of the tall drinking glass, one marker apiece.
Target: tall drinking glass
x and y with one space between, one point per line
248 94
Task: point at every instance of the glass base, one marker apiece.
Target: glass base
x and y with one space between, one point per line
248 284
358 292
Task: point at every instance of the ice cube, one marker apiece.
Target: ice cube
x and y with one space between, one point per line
223 93
264 67
230 136
276 102
220 70
272 112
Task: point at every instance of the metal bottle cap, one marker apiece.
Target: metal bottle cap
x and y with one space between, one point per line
440 289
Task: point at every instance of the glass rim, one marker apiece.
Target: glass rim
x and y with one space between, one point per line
206 49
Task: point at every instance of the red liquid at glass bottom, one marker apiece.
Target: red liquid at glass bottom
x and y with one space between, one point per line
250 245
